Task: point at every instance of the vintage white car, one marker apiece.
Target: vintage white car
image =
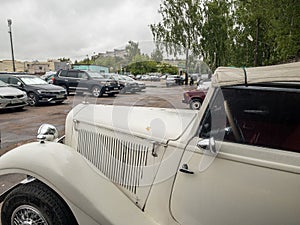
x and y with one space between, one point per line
235 161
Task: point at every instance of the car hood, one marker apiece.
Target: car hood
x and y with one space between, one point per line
159 124
47 87
10 91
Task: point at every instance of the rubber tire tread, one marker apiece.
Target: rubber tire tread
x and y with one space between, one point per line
35 97
38 195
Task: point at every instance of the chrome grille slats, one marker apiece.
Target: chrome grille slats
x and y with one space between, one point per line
120 159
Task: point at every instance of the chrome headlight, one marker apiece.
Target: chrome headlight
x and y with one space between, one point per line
47 132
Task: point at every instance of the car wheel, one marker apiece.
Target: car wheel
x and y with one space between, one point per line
123 90
35 203
96 91
195 104
32 99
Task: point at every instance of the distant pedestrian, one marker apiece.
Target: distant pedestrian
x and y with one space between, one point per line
191 81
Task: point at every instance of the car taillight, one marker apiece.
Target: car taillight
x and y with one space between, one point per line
52 78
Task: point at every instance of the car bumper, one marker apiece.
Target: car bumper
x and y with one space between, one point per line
52 98
111 90
13 103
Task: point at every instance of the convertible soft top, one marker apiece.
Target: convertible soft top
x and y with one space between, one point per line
225 76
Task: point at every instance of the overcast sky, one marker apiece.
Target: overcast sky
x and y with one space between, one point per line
50 29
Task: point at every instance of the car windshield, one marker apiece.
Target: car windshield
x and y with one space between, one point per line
2 84
96 75
33 80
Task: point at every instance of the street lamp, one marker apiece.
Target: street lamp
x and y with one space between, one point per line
9 21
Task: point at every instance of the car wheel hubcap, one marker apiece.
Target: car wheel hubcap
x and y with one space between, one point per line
31 100
27 215
96 92
196 105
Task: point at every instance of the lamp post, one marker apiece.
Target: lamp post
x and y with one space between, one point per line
9 21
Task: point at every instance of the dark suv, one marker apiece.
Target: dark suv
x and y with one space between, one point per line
38 90
85 81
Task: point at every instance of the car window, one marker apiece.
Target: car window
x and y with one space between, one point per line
96 75
63 73
2 84
82 75
14 80
267 117
72 74
4 79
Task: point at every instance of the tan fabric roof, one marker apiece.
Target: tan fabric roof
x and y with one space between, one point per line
224 76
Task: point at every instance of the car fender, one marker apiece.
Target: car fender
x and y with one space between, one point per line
72 177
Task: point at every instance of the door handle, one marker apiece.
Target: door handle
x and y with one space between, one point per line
185 169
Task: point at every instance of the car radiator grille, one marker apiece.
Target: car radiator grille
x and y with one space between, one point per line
13 96
119 160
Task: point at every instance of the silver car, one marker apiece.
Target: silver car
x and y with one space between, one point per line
11 97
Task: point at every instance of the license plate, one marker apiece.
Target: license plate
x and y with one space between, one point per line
59 96
14 101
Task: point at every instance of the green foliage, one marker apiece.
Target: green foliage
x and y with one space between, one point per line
144 67
157 55
165 68
231 32
180 26
64 59
215 32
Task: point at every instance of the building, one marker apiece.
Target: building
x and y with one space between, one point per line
34 67
7 66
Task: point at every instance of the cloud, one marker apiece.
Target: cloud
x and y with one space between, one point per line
52 29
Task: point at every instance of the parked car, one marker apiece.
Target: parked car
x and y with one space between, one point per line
141 84
11 97
38 90
173 80
196 97
235 161
86 81
48 77
124 84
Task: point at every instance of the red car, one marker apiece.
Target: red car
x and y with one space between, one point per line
196 97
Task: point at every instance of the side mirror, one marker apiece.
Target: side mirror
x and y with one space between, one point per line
19 84
208 145
47 132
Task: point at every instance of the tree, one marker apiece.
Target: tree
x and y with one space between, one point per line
180 27
132 50
157 55
266 32
215 32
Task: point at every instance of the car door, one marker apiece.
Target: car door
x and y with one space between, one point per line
72 79
243 165
83 81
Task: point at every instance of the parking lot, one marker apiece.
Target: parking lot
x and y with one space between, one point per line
19 127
